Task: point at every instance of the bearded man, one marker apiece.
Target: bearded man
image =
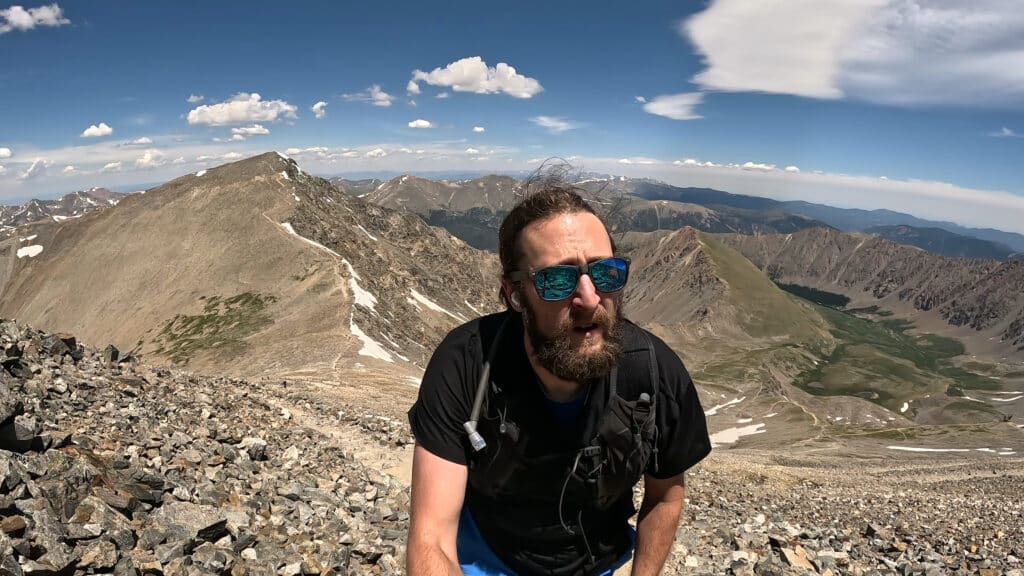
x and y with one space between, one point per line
533 425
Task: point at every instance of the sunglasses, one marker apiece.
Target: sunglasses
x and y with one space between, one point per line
559 282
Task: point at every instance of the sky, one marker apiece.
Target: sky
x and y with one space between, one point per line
910 105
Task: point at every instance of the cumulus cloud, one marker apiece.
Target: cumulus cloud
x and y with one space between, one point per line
373 94
231 156
675 106
376 153
319 109
111 167
472 151
638 160
36 169
792 169
240 109
5 153
3 169
193 98
479 129
17 18
420 123
1003 132
150 159
253 130
442 95
757 166
178 160
640 99
897 52
473 75
69 169
142 141
94 131
554 124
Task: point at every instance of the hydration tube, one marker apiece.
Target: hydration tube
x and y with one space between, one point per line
475 439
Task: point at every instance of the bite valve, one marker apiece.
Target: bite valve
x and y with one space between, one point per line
475 439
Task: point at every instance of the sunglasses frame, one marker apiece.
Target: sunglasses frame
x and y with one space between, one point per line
581 269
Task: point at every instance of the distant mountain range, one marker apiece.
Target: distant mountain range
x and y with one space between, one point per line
68 206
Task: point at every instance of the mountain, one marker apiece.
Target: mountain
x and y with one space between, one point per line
980 301
357 188
854 219
68 206
251 268
943 242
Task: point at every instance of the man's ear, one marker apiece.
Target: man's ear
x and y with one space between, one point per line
511 295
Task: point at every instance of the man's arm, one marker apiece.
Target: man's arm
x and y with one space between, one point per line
657 523
438 489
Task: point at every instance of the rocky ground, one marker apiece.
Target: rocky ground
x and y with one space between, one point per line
108 465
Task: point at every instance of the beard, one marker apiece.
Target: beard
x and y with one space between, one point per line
559 355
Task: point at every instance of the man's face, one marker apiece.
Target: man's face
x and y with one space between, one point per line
578 338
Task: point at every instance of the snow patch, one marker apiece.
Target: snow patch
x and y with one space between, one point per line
283 157
1006 399
912 449
905 407
475 311
361 297
30 251
744 420
415 380
296 196
28 238
732 435
430 304
285 175
372 237
287 226
713 411
200 173
370 346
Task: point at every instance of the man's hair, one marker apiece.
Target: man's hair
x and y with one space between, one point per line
545 194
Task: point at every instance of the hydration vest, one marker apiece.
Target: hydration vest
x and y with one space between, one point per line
550 483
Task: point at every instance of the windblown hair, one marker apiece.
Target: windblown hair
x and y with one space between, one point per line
546 193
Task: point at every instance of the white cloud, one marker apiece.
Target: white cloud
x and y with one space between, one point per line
554 124
420 123
757 166
3 169
69 169
640 99
232 156
319 109
179 160
253 130
376 153
792 169
478 129
373 94
1003 132
241 108
442 95
193 98
675 106
473 75
472 151
143 141
17 18
94 131
36 169
112 167
355 154
5 153
150 159
638 160
896 52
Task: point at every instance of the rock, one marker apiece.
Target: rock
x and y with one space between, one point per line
100 555
13 525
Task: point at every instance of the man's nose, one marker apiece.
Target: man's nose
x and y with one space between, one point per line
586 295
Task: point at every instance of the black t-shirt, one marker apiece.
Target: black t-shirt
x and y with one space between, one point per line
445 403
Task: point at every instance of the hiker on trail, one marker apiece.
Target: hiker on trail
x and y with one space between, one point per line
533 425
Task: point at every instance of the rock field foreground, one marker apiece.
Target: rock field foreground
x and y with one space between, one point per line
111 466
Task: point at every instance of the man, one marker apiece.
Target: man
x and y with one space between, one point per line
533 425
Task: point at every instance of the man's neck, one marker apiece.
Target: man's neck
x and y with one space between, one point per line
556 388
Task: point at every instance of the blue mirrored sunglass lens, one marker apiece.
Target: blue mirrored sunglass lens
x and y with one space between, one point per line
609 275
556 282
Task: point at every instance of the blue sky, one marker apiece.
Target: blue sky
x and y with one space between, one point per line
915 106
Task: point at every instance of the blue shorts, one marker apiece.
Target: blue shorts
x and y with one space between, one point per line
477 559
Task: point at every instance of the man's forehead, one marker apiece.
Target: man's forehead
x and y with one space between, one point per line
565 236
